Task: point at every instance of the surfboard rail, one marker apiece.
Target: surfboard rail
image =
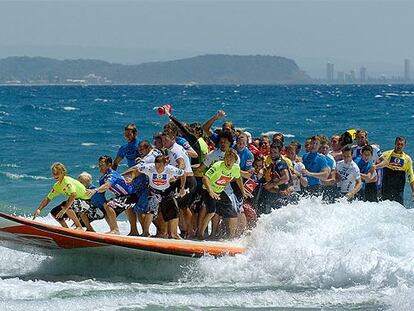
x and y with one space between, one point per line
16 230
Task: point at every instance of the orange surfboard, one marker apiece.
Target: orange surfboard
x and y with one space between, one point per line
36 237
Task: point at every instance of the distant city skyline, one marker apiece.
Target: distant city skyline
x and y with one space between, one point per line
343 76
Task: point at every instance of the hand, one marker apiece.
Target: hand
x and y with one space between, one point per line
220 114
91 192
247 195
182 192
305 172
36 214
61 213
349 196
214 195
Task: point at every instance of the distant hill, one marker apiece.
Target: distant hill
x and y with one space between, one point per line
206 69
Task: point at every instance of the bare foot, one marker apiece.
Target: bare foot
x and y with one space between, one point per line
176 237
113 232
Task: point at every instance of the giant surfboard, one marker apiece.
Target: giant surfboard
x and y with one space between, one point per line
36 237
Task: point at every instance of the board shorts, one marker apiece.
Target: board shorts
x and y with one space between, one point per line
223 207
78 206
123 202
191 185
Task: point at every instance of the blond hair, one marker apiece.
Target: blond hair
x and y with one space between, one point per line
59 168
85 178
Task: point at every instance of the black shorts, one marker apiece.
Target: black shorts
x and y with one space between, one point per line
169 207
78 206
223 207
191 185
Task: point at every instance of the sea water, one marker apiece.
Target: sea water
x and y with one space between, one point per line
311 256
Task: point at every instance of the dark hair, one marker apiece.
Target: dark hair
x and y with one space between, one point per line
160 159
278 134
367 148
398 138
347 148
227 135
106 158
146 144
132 127
345 139
276 145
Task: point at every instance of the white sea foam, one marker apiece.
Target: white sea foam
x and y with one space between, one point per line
88 144
378 96
14 176
271 133
37 128
103 100
69 108
119 113
347 255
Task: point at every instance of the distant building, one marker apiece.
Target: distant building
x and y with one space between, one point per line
407 70
352 76
341 77
329 72
363 74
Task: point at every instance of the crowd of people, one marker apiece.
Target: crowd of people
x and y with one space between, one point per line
193 182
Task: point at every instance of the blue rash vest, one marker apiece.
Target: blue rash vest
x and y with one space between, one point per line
118 184
129 151
246 159
98 199
314 163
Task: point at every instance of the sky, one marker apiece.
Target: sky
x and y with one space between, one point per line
374 34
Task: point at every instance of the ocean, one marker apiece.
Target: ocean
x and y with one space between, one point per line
345 256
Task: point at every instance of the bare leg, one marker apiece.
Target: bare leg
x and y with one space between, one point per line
111 219
201 216
71 214
147 223
132 218
62 222
232 226
188 219
242 224
215 222
162 227
86 221
204 225
172 228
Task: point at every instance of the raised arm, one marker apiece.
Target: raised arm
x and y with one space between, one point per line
209 123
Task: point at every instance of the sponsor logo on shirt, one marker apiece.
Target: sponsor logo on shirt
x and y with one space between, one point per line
396 162
159 179
223 180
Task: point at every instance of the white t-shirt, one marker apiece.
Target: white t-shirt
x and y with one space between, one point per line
160 181
349 173
215 156
357 150
298 167
149 158
176 152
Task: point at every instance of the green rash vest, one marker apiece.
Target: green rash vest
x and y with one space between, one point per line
67 187
219 176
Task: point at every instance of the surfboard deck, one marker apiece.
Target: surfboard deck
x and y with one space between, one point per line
36 237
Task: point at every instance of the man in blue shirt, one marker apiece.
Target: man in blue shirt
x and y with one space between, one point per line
130 149
316 167
125 196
